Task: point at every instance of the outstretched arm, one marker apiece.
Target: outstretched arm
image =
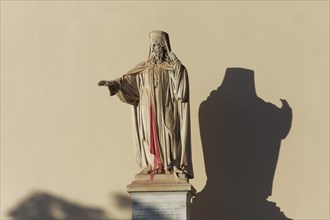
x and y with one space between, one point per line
112 85
127 87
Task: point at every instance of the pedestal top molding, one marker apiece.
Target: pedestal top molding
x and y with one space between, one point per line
160 183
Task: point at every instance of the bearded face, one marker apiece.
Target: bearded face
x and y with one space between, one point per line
159 52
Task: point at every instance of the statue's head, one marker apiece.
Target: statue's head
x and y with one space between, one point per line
159 45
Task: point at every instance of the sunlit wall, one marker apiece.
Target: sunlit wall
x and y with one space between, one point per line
65 141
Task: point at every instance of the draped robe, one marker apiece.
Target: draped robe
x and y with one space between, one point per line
159 95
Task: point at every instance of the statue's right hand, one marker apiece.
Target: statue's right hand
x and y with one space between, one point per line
113 86
103 83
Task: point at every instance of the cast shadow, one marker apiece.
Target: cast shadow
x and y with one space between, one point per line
241 136
44 206
123 201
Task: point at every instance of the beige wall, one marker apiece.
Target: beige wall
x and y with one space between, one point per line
62 134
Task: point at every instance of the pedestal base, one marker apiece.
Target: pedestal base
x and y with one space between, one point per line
160 196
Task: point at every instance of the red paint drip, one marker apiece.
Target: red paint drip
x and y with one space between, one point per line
154 145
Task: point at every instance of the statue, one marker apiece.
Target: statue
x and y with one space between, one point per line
158 91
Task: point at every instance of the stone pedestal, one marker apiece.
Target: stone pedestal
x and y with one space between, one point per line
160 196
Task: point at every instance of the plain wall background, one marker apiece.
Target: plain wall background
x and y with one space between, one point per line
63 135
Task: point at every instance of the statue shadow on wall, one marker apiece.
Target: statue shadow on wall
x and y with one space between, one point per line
241 136
44 206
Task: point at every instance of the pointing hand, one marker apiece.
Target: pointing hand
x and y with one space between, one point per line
103 83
